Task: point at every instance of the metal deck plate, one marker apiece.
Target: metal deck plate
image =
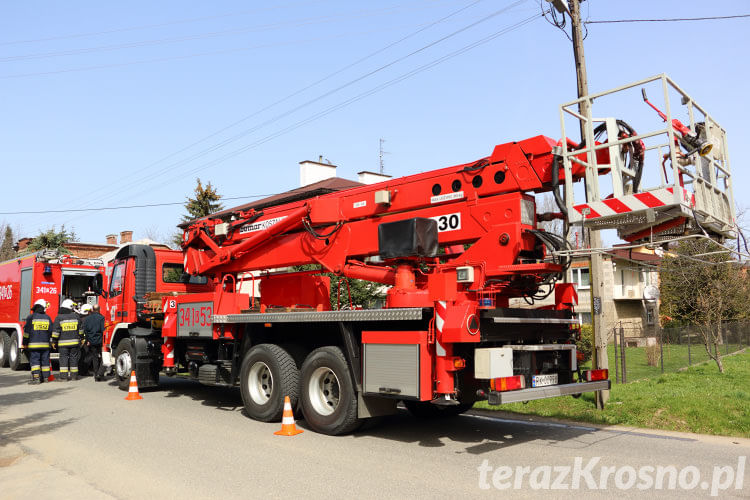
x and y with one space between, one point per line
412 313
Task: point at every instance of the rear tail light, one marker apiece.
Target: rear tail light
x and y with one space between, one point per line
593 375
508 383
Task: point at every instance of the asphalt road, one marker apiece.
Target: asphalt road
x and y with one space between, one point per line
81 440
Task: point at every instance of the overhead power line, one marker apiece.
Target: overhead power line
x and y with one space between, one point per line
356 98
163 170
148 205
671 20
147 26
303 122
267 107
296 23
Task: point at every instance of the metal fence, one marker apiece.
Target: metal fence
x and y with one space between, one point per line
635 356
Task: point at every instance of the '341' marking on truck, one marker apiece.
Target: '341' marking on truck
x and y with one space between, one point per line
195 316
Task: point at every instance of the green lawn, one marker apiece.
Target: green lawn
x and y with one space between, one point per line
675 357
699 399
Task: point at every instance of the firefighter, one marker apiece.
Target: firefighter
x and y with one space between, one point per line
66 336
93 330
36 341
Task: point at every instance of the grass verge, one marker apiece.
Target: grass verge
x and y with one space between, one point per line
699 399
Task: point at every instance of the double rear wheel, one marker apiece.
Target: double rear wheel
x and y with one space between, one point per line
321 386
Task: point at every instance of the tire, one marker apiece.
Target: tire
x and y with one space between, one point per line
15 359
329 402
425 409
124 363
268 374
4 349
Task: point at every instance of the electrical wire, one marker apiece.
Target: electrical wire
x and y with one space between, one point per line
149 26
354 99
556 19
179 163
201 36
358 97
148 167
148 205
676 19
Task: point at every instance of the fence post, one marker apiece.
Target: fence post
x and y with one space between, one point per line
623 364
690 361
661 348
617 371
726 344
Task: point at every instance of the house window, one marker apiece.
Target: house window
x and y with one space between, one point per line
581 278
584 318
649 316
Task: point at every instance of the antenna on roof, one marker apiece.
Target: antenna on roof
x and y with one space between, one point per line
382 165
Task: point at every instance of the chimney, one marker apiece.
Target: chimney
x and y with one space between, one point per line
366 177
111 239
315 171
126 237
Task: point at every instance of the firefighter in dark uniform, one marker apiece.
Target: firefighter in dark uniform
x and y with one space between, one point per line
36 341
93 328
66 333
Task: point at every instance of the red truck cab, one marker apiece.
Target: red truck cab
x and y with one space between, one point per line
138 277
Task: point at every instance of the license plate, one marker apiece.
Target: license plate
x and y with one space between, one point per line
542 380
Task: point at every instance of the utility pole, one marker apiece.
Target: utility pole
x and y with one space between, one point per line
601 360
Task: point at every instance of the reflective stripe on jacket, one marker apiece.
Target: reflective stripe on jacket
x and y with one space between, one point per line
37 331
66 329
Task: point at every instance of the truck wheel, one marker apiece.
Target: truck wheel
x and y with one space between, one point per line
15 359
268 374
4 349
425 409
329 402
124 363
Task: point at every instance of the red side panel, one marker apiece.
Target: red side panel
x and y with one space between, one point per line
297 290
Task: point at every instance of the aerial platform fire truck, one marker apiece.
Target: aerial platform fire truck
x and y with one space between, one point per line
454 247
47 275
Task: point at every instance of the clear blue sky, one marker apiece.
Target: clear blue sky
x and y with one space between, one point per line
94 95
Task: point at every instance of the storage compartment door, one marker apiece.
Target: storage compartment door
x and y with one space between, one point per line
24 305
397 364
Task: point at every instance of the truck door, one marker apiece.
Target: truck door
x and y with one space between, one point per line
117 292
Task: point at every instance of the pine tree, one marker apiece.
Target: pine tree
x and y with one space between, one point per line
206 202
6 249
52 240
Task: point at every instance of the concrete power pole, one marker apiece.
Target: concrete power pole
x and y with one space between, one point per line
595 240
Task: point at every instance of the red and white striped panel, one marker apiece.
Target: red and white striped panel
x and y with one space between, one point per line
440 313
633 203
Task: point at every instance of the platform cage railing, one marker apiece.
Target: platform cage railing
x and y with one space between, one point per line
692 192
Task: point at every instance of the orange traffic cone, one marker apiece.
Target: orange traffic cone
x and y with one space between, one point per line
287 421
51 377
133 389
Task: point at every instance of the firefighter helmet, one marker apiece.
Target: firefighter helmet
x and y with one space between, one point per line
41 302
67 304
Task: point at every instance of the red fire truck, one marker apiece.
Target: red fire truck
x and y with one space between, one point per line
454 246
47 275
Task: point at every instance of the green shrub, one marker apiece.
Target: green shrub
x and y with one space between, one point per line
585 344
